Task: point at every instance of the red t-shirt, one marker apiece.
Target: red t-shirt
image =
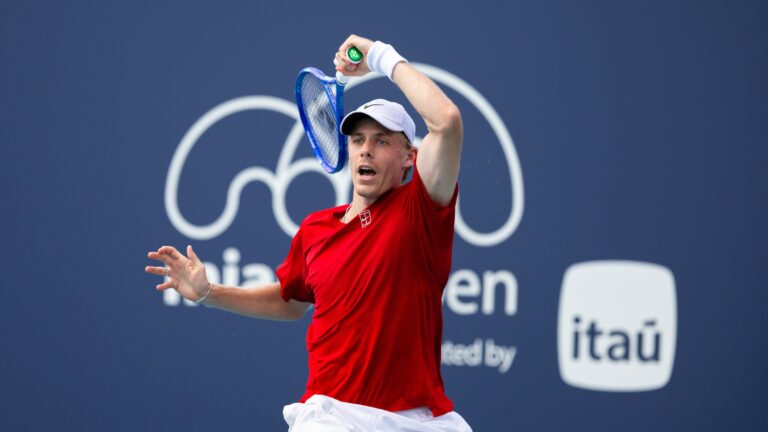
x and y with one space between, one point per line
377 284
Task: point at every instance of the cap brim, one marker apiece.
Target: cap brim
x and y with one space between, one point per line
350 120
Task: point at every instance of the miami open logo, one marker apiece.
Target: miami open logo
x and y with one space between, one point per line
288 167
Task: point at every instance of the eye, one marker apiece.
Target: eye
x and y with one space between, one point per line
381 142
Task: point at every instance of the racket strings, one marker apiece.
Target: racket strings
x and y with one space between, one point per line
321 117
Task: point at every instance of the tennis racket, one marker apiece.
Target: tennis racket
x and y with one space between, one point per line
320 100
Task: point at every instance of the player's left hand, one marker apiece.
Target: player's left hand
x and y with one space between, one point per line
184 274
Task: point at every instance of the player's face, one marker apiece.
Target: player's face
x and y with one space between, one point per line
378 158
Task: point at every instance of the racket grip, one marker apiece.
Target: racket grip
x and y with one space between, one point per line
341 78
354 54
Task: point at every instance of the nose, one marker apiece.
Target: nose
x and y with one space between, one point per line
366 150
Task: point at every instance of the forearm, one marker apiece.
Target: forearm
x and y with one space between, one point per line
439 113
440 151
257 302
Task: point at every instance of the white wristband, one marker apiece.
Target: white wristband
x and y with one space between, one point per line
383 58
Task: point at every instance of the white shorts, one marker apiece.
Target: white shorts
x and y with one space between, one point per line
325 414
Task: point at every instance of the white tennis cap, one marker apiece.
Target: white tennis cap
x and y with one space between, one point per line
391 115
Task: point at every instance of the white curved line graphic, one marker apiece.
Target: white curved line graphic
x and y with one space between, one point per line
287 169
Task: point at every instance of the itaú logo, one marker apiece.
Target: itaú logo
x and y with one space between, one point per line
617 326
288 169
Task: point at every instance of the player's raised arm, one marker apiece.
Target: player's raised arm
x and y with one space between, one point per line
439 153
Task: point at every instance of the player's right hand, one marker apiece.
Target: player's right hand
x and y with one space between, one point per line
344 65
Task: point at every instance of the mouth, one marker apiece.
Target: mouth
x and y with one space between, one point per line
365 171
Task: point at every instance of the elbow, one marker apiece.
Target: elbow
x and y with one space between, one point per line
449 121
296 310
295 315
453 115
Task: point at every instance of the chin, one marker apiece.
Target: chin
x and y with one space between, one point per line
372 191
367 192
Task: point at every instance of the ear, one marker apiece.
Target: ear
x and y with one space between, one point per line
410 157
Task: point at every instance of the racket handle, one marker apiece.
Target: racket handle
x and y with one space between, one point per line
354 55
341 78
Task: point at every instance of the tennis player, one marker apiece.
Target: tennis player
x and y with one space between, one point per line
374 269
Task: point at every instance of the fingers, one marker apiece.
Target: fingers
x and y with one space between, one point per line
166 254
193 256
165 285
342 64
160 271
358 42
345 65
169 256
170 251
176 265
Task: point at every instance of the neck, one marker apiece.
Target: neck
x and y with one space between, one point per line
357 205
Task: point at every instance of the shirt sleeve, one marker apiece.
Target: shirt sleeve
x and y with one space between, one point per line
437 219
290 273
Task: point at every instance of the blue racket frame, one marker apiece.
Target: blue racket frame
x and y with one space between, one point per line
337 105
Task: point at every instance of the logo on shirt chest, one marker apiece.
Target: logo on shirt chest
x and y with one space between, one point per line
365 218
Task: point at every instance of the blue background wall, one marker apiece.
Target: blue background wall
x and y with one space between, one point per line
640 129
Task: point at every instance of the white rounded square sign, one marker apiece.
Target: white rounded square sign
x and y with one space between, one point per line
617 326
